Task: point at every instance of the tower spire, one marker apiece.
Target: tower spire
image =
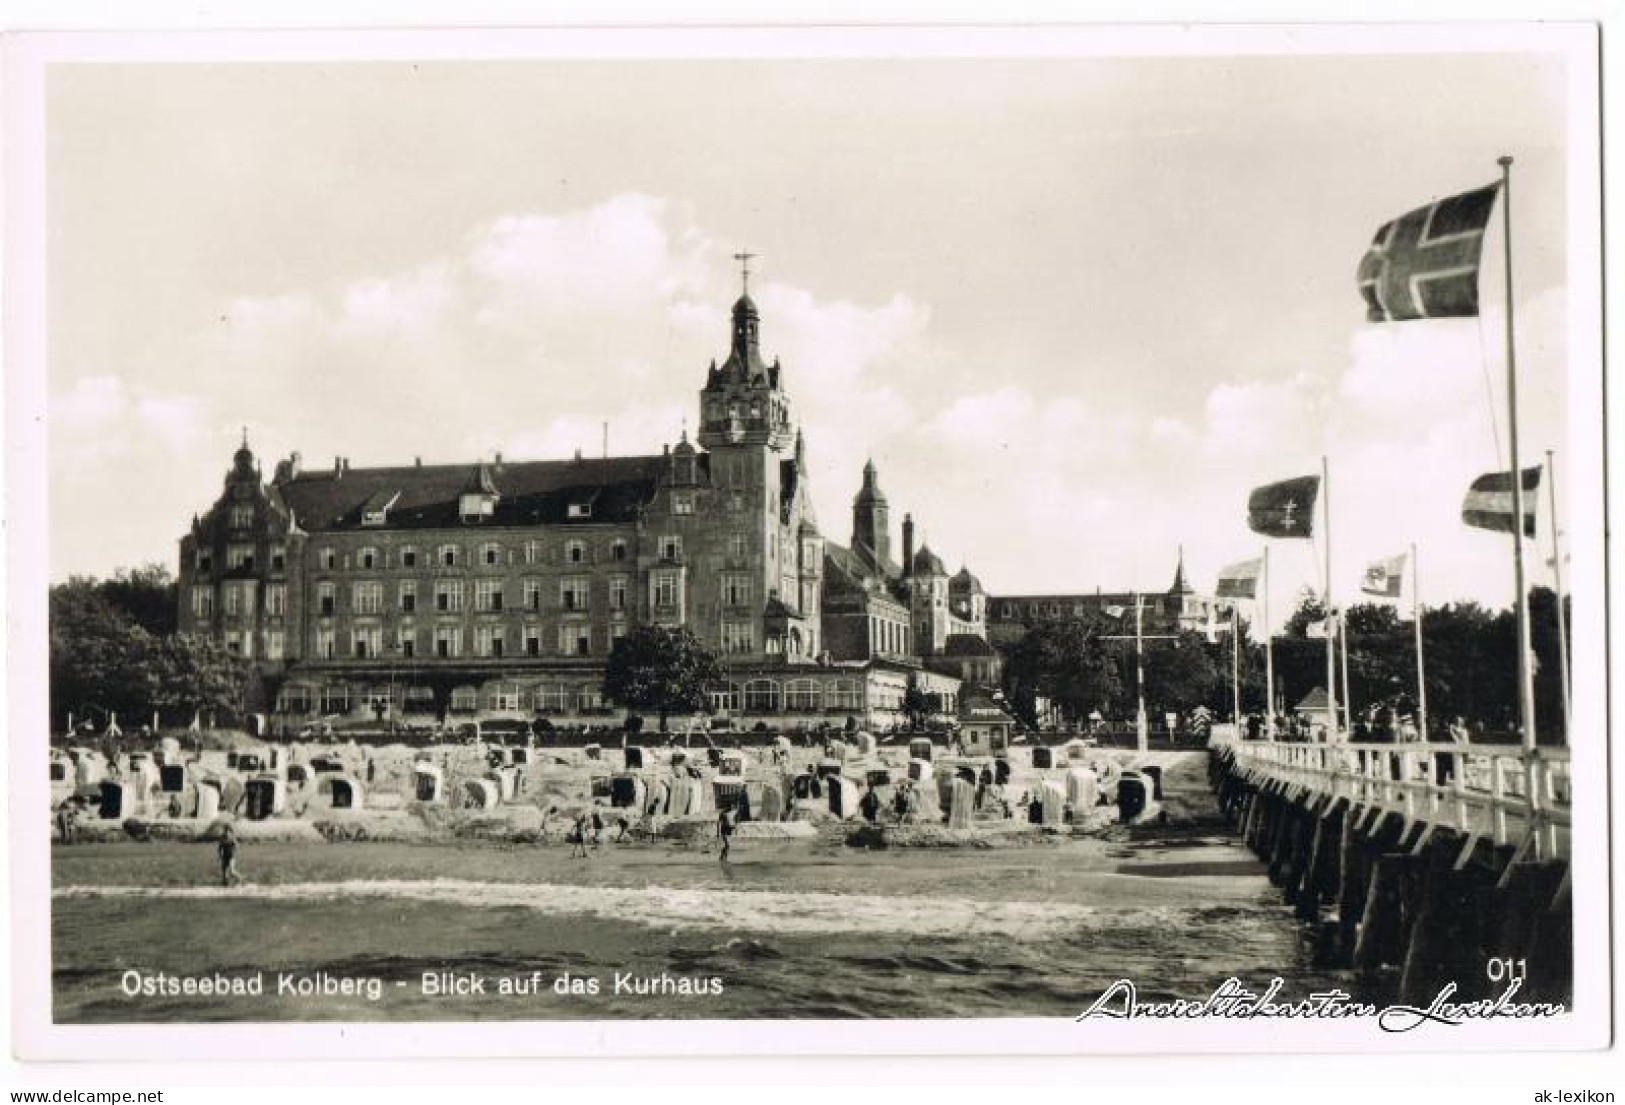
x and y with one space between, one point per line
744 258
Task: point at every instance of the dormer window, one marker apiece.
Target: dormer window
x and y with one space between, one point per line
580 510
375 511
476 506
682 502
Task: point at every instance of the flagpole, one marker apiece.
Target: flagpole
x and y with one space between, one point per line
1142 736
1235 665
1557 583
1416 617
1331 641
1269 655
1526 687
1348 691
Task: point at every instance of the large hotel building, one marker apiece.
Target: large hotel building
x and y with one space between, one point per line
498 588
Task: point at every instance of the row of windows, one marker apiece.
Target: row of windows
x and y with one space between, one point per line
237 598
762 695
339 698
240 555
448 642
1152 604
491 554
451 596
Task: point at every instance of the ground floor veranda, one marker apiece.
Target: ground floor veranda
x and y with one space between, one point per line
779 696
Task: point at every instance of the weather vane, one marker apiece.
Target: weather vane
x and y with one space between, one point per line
744 260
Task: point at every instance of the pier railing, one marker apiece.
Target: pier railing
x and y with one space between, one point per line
1502 794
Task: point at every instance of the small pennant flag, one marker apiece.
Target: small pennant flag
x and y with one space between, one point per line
1424 264
1240 581
1318 630
1489 502
1385 578
1285 509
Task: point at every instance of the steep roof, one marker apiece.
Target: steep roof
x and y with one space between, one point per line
967 644
964 581
927 562
533 493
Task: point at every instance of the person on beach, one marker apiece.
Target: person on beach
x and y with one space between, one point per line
227 849
578 838
870 806
725 831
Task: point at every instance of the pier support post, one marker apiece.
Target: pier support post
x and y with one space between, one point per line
1447 936
1529 929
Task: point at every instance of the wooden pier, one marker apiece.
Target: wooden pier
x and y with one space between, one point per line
1438 863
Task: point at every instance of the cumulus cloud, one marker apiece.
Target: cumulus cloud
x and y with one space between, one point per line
526 334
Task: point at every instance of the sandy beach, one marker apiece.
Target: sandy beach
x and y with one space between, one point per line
1036 925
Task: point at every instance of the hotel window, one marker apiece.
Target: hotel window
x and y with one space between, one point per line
490 554
533 640
336 699
737 637
552 697
682 502
575 640
276 600
665 589
205 560
275 644
409 596
465 699
369 641
488 594
406 642
735 590
533 594
505 696
367 597
234 643
325 639
448 641
203 602
234 602
279 558
409 557
671 548
617 593
367 558
802 694
736 546
617 551
727 697
448 595
843 695
736 502
573 593
242 516
327 559
533 552
488 640
240 556
617 632
576 552
446 557
588 698
580 510
762 694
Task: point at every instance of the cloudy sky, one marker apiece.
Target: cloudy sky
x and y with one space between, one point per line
1074 309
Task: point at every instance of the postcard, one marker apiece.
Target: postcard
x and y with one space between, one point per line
807 540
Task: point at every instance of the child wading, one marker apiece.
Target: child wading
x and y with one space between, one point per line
229 875
725 831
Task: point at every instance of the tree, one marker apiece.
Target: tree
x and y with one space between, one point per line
1181 674
1069 662
660 669
917 705
101 661
196 674
148 595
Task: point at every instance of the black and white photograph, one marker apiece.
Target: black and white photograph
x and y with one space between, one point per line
1066 542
